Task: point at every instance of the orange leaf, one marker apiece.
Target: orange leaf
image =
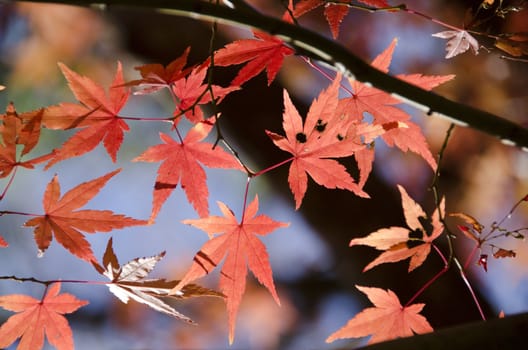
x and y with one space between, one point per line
97 116
477 226
239 242
3 243
38 318
265 52
61 220
191 93
181 164
19 129
381 105
400 243
325 134
387 320
156 77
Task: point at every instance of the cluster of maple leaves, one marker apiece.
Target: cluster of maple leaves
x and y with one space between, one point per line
334 128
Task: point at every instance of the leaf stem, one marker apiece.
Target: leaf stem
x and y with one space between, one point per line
468 285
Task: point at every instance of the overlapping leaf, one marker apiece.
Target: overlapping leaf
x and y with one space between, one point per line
97 116
130 282
265 52
399 243
181 163
458 41
191 93
19 130
334 13
36 319
155 76
241 247
324 134
381 106
62 220
387 320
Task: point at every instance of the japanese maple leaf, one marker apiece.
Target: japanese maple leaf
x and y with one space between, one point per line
323 135
22 130
400 243
264 52
61 220
459 41
181 163
334 13
130 282
239 244
381 106
387 320
191 92
155 76
38 318
3 243
97 116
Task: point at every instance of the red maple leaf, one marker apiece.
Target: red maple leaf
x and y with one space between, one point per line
191 92
3 243
38 318
387 320
400 243
334 13
381 106
155 76
325 134
265 52
240 243
97 116
61 220
181 164
23 130
334 16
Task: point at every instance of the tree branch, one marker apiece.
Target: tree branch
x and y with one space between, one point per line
332 53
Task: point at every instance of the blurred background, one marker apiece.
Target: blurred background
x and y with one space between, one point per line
314 269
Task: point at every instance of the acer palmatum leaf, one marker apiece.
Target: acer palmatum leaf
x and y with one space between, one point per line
182 164
130 282
36 319
3 243
19 130
266 52
400 243
382 107
62 220
334 15
192 92
242 249
96 115
325 134
155 76
458 41
387 320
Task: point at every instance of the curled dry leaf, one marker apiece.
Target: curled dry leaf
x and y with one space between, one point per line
477 226
459 41
504 253
130 282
